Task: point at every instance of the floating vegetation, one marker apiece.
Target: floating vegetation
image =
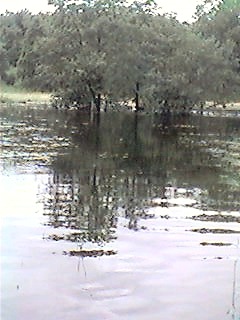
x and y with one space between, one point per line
28 144
89 253
79 236
217 231
73 237
218 244
217 218
142 214
166 216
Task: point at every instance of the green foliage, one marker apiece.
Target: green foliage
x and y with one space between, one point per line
4 65
223 27
108 49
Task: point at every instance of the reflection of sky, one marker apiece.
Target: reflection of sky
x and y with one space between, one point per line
18 211
18 195
184 8
20 219
153 268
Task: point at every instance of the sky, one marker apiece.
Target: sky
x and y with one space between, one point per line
183 8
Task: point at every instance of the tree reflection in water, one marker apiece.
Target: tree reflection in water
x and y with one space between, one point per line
115 168
81 203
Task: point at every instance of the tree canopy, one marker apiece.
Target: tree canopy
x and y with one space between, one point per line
108 49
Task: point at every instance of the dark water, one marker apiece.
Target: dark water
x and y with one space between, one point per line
150 211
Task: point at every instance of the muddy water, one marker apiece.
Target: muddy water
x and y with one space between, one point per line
119 217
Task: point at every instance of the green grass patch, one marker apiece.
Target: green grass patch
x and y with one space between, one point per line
14 94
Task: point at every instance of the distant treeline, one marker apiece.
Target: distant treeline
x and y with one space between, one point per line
108 49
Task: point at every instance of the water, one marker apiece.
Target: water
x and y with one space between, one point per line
119 216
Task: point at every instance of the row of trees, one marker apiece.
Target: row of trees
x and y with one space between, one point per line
107 49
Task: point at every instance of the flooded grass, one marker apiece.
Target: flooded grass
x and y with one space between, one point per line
20 96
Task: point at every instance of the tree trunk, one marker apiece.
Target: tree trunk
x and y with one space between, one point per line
94 176
106 105
137 107
98 102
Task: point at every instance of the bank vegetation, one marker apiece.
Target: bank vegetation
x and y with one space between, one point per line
107 53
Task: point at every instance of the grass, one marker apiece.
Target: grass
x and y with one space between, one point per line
14 94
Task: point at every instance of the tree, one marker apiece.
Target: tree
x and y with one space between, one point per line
13 28
109 50
29 62
4 65
223 25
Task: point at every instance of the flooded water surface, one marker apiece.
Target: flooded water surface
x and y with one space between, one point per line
119 216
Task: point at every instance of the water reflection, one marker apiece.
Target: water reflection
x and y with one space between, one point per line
82 203
164 197
114 165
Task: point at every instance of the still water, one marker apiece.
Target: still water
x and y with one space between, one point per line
120 216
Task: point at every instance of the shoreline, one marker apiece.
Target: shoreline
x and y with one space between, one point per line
11 95
17 96
230 107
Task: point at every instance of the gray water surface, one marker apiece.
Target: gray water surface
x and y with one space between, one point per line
119 216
